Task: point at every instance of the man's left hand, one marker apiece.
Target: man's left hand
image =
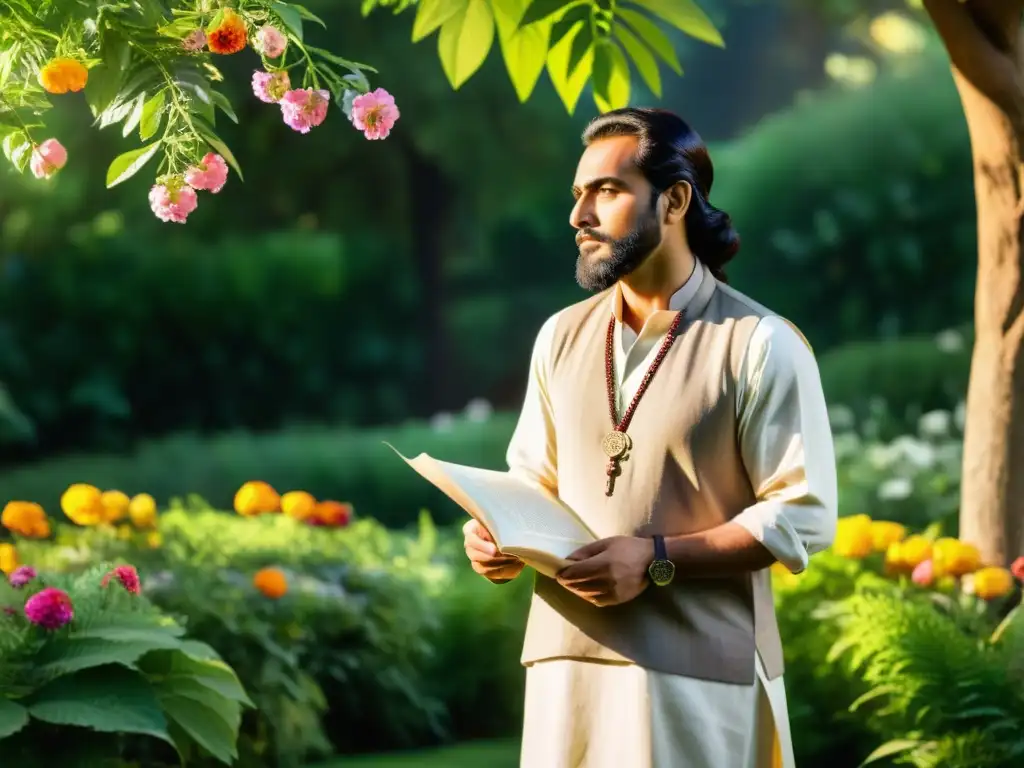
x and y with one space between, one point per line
609 571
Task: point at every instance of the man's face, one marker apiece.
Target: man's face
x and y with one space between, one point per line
615 216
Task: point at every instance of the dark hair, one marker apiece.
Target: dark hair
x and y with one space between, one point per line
670 151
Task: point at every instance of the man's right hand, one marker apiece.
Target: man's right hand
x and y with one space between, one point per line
484 557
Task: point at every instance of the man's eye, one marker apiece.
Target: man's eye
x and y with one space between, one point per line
607 190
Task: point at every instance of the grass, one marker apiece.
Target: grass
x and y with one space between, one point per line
502 753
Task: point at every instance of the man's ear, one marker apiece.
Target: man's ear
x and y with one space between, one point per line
678 197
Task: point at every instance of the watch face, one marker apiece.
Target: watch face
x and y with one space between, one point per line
661 572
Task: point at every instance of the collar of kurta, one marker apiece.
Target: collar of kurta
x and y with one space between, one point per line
693 296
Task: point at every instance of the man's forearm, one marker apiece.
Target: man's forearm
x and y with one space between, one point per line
725 550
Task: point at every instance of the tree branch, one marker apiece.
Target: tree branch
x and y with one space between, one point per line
981 39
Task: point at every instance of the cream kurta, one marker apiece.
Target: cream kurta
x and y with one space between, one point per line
628 717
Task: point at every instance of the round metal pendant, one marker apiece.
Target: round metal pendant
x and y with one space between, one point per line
662 572
614 444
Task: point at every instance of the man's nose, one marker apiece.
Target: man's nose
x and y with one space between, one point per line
582 214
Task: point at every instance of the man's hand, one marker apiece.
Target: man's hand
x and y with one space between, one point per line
484 557
609 571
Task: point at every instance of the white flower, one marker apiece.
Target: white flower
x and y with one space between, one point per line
442 422
895 488
949 341
935 423
478 410
917 452
840 417
960 415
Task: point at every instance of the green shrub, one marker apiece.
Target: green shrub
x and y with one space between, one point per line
117 667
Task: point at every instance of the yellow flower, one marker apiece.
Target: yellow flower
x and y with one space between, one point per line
8 557
154 539
115 506
61 75
884 533
298 504
83 504
142 510
124 532
954 557
992 583
782 576
25 518
271 582
914 550
256 498
853 537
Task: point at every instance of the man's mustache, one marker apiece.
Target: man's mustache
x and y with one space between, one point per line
592 234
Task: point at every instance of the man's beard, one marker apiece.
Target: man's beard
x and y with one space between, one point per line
596 274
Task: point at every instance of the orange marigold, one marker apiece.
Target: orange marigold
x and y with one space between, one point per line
61 75
332 513
256 498
299 505
115 505
8 557
25 518
229 35
992 583
271 582
83 504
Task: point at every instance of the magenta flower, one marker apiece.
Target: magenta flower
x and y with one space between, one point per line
127 575
22 576
172 202
270 86
375 113
304 108
210 174
47 158
49 608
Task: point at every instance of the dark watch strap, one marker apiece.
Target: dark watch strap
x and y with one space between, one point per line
660 553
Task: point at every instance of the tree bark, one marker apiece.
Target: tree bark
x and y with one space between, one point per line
981 37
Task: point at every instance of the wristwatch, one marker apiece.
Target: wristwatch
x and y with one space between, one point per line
661 570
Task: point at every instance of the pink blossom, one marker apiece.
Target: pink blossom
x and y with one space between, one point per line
270 42
49 608
22 576
127 575
48 158
270 86
194 40
210 174
924 573
172 202
374 113
304 108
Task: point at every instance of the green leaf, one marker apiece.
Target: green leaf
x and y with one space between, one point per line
152 112
465 41
211 673
431 14
648 32
890 748
565 23
101 87
307 14
135 116
644 60
569 88
611 77
122 168
542 9
686 16
220 100
524 49
17 148
290 17
582 44
13 717
110 699
219 146
7 62
204 724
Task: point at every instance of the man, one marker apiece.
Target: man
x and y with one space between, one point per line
686 425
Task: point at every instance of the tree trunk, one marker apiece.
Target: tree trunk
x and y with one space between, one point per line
982 39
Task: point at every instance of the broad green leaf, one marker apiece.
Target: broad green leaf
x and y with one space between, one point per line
135 116
565 23
890 748
7 59
431 14
117 111
569 88
122 168
204 725
211 673
13 717
307 14
219 146
686 16
101 88
221 101
13 141
465 41
644 60
648 31
191 688
611 77
110 699
152 112
539 10
290 17
582 44
70 654
524 49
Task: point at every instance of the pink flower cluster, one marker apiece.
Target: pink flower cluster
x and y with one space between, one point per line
47 158
374 113
175 198
51 608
